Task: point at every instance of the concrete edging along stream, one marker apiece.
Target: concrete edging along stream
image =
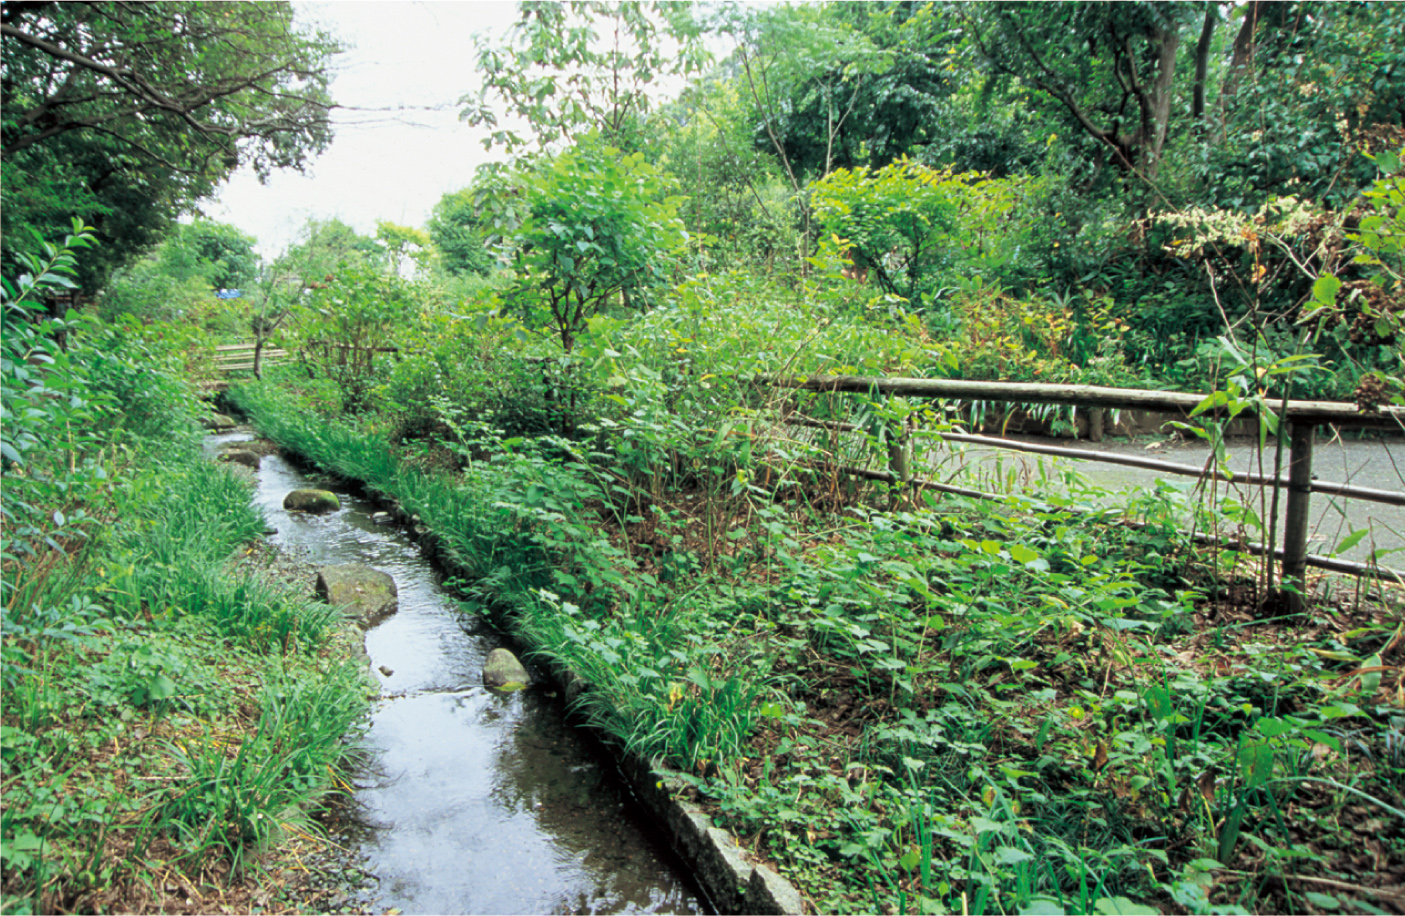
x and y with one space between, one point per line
733 884
729 881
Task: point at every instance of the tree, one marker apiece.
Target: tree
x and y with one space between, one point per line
581 65
1111 67
597 227
459 234
405 246
325 247
905 224
328 248
1309 87
739 207
343 322
127 113
1288 96
860 92
179 277
224 253
789 57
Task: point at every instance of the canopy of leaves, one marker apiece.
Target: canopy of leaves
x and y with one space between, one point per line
582 65
127 113
182 273
459 235
905 223
222 253
1110 67
843 86
325 247
597 226
1314 84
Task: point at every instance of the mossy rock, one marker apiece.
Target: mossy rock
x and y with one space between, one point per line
502 671
368 594
218 422
316 502
244 456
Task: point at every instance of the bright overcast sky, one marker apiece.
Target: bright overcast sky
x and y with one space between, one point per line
383 163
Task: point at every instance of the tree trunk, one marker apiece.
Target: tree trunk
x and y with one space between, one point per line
1202 65
1157 101
1244 44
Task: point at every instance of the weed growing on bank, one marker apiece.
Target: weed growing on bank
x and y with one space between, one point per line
947 706
165 716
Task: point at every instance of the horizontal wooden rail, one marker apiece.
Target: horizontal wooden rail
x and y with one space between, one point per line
240 357
1332 564
1315 413
1302 418
245 354
1347 491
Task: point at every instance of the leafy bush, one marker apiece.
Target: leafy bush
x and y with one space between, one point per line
597 226
346 327
912 229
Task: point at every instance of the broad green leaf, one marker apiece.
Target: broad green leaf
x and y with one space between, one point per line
1022 554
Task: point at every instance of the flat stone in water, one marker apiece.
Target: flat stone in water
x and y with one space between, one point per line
314 501
369 594
247 458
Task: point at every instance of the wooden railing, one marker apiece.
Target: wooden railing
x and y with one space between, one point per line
240 357
1302 417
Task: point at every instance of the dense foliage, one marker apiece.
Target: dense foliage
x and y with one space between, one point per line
909 701
135 653
127 114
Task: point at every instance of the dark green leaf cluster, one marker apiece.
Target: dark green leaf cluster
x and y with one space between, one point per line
128 113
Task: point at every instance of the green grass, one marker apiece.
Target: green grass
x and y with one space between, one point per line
161 709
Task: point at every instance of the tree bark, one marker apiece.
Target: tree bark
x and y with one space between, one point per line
1202 64
1244 45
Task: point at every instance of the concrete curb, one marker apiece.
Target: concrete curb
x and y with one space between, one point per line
732 884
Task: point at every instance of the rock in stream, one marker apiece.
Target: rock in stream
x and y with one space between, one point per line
369 594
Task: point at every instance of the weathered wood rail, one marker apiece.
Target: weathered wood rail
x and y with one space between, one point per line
1303 418
240 357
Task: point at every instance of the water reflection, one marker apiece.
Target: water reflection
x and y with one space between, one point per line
476 802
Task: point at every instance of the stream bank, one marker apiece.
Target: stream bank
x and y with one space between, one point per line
420 656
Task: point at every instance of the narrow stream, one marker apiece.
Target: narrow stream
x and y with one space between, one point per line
474 802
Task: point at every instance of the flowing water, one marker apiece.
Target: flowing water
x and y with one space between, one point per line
474 802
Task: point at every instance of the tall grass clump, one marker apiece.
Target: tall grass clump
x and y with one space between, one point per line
131 644
237 794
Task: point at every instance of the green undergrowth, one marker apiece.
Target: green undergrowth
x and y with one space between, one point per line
163 708
943 706
168 712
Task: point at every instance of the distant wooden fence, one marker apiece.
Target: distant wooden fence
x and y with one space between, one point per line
240 357
1303 418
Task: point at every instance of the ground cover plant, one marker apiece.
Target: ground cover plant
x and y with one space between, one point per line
168 717
932 704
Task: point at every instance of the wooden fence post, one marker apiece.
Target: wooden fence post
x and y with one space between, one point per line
899 461
1296 523
1095 424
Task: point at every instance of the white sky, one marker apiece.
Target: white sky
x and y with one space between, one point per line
392 165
